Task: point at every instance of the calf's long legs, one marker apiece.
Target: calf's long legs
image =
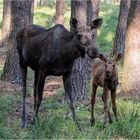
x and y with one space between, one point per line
93 99
113 99
106 109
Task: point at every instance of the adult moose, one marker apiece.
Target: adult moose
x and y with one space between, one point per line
52 52
105 74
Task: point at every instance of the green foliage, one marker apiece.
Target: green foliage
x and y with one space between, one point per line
106 33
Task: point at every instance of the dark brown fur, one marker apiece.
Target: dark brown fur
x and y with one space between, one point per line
52 52
105 74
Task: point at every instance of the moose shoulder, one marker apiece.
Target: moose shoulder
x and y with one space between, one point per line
52 52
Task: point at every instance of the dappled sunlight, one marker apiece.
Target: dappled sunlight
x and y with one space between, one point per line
106 13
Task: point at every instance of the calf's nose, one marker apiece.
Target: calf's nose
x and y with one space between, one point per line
108 73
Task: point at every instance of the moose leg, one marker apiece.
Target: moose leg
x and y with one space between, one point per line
93 99
67 87
39 91
113 99
23 75
35 85
106 109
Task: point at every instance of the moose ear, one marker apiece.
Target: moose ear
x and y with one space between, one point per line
74 23
96 23
118 57
102 57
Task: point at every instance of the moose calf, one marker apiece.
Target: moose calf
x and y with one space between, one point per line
105 74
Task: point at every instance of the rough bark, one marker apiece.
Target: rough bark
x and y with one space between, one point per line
20 17
131 74
119 42
32 11
78 75
92 13
6 22
41 2
81 73
59 18
95 8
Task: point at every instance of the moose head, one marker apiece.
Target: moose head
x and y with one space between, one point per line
86 35
110 64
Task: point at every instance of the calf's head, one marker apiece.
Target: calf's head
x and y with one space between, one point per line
110 64
86 36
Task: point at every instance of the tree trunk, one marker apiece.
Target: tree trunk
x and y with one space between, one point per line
92 10
41 3
20 17
81 72
6 22
59 18
92 13
95 7
78 75
131 74
32 11
119 42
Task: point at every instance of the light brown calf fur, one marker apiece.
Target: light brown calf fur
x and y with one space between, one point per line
105 74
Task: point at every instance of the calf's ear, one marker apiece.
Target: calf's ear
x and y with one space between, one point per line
118 57
96 23
102 57
74 23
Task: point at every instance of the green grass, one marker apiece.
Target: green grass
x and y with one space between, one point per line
54 123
